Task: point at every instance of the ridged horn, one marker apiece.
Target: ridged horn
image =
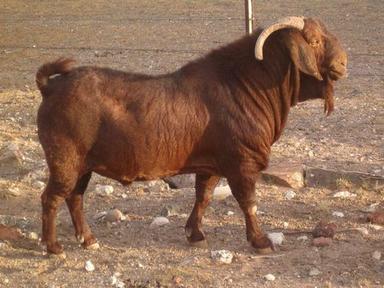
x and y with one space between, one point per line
287 22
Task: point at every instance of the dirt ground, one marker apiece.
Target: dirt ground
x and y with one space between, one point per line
157 38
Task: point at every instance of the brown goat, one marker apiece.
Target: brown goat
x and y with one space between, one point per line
217 117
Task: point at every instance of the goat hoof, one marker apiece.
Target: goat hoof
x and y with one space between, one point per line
264 251
94 246
199 244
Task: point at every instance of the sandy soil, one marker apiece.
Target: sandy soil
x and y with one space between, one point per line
143 37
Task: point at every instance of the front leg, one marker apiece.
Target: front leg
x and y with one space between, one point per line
243 189
204 187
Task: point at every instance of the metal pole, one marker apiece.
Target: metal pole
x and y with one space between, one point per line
248 16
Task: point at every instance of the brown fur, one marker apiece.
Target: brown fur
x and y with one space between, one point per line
216 116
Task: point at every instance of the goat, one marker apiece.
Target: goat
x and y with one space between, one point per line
216 116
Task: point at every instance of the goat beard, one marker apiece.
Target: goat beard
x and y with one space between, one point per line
328 96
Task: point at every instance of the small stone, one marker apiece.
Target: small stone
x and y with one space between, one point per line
324 229
269 277
311 154
114 215
100 216
230 213
124 196
39 184
362 230
3 245
14 191
371 208
177 280
223 256
89 266
33 236
276 238
169 210
289 195
222 192
321 241
159 221
375 227
314 272
376 255
338 214
104 190
285 225
302 238
344 194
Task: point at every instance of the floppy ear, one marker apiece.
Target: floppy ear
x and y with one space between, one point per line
302 55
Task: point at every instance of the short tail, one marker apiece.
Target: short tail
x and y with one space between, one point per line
60 66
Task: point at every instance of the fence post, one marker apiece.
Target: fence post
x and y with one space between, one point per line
248 16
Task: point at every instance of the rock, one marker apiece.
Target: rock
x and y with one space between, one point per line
39 184
169 210
371 208
177 280
344 194
116 282
321 241
314 272
33 236
269 277
3 245
11 160
223 256
285 225
159 221
104 190
289 195
89 266
230 213
324 229
362 230
338 214
100 216
13 191
302 238
376 255
276 238
155 186
376 227
114 215
376 218
284 174
11 220
222 192
181 181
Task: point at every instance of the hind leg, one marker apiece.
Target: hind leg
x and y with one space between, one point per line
75 206
204 187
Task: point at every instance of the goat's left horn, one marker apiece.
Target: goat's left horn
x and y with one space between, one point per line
288 22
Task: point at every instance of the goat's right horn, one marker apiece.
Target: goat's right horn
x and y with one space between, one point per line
288 22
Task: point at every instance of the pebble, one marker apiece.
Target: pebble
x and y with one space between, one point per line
104 190
324 229
269 277
344 194
169 210
14 191
115 281
285 225
222 192
376 255
338 214
371 208
302 238
321 241
39 184
375 227
3 245
230 213
223 256
276 238
289 195
33 236
159 221
114 215
314 272
362 230
89 266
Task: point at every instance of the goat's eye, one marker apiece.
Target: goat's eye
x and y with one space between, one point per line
314 43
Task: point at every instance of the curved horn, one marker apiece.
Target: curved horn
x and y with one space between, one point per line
287 22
